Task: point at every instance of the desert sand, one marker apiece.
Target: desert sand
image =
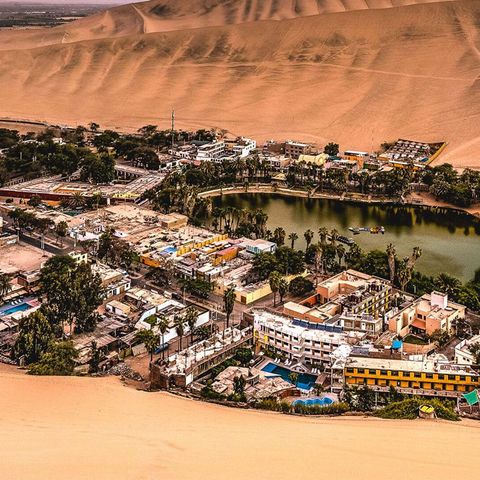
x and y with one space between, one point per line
85 428
358 72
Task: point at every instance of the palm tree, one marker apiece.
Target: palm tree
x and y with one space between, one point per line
279 236
283 288
308 235
229 302
340 253
447 284
150 339
180 329
333 236
391 252
162 328
323 233
5 285
190 319
293 237
274 281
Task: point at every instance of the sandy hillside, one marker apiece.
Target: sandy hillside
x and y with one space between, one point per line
81 428
355 71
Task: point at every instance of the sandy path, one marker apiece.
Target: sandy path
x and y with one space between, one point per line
97 429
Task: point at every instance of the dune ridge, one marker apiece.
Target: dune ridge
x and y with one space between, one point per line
355 75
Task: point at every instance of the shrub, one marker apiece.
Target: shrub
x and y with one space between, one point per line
408 409
285 407
210 394
300 286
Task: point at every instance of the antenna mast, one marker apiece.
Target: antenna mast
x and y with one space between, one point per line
173 127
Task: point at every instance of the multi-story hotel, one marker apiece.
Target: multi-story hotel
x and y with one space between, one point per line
425 377
351 300
298 342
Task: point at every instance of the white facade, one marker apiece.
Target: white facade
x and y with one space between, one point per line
300 344
210 151
244 147
463 355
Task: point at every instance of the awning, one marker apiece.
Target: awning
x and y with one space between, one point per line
471 397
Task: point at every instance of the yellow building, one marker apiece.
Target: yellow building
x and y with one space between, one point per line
425 377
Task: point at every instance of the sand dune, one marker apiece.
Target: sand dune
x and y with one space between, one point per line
83 428
355 71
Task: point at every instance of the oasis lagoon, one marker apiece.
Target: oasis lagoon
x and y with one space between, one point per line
450 241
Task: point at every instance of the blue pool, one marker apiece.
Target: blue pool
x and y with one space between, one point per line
14 309
314 401
305 381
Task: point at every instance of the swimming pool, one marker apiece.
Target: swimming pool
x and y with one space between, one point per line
305 381
309 402
14 309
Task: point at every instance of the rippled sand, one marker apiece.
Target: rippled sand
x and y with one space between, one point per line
84 428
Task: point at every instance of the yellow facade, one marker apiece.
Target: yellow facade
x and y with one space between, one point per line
441 382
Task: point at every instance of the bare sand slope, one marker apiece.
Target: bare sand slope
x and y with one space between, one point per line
82 428
168 15
358 77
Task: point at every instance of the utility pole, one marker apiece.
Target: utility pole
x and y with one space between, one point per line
173 127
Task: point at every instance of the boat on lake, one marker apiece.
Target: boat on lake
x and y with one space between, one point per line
373 230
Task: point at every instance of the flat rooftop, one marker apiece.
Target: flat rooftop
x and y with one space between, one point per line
429 366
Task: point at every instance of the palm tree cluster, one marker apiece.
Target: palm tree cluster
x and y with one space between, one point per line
240 222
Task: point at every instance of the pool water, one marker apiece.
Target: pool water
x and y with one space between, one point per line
17 308
309 402
305 381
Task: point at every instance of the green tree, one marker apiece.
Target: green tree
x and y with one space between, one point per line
239 386
229 302
150 339
180 329
279 236
163 325
59 359
283 287
71 293
95 357
365 399
274 281
5 286
331 149
293 237
34 338
308 235
61 230
190 318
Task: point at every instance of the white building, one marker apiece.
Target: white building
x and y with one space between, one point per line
244 147
463 355
210 151
306 346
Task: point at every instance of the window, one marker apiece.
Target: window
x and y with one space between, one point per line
463 378
383 372
349 370
394 373
372 372
417 375
360 370
429 375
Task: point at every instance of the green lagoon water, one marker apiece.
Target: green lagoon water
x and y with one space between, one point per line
450 241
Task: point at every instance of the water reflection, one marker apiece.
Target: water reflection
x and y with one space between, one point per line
450 240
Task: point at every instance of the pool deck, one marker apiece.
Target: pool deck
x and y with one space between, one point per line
304 370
